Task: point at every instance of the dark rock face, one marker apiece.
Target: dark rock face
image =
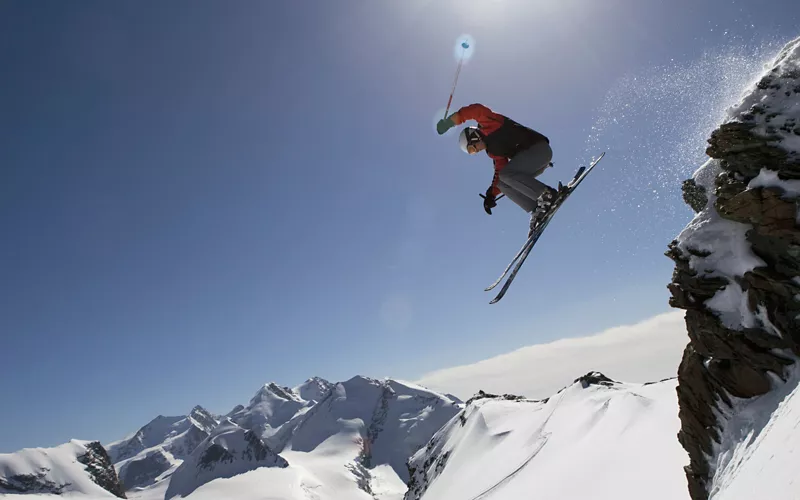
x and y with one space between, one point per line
203 419
594 378
99 466
694 195
214 454
419 479
31 483
724 359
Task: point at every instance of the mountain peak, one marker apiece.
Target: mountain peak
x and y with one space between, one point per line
271 392
314 389
594 378
202 418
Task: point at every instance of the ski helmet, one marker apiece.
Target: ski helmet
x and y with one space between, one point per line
469 136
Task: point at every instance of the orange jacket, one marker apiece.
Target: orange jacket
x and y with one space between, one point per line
489 122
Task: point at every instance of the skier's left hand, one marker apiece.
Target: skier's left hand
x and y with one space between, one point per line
444 125
489 201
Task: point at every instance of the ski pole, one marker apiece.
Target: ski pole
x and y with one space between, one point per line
464 47
484 196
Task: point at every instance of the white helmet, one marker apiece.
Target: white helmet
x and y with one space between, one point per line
469 136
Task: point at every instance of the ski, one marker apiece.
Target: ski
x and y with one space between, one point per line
519 259
576 179
508 268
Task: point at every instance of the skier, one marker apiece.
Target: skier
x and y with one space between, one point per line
520 154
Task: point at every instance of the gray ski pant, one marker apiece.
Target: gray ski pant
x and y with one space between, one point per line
517 180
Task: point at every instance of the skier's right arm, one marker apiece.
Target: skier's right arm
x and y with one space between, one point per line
486 118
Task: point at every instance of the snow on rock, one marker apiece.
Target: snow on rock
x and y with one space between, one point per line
596 438
81 467
229 451
737 268
314 389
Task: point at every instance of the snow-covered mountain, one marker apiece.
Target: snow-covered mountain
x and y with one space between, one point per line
159 447
229 451
314 389
345 440
596 438
388 420
178 435
78 467
737 274
269 409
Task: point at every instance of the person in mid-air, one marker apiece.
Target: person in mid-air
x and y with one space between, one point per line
520 154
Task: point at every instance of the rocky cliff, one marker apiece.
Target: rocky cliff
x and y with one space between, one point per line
737 267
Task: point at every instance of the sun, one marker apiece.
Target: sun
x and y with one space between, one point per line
464 47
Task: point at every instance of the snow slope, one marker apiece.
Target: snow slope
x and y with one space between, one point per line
601 441
594 439
49 471
229 451
761 461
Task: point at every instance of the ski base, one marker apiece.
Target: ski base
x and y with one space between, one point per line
519 259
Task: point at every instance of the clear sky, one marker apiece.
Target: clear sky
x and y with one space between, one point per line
198 197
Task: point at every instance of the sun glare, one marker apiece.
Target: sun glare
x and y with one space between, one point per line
464 47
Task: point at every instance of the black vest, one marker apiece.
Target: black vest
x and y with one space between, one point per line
511 139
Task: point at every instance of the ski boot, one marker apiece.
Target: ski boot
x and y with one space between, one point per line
543 205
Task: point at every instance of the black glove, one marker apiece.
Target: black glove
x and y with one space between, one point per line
489 201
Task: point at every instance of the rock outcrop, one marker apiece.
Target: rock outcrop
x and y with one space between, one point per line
737 265
100 469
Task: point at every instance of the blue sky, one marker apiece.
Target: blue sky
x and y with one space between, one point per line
200 197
